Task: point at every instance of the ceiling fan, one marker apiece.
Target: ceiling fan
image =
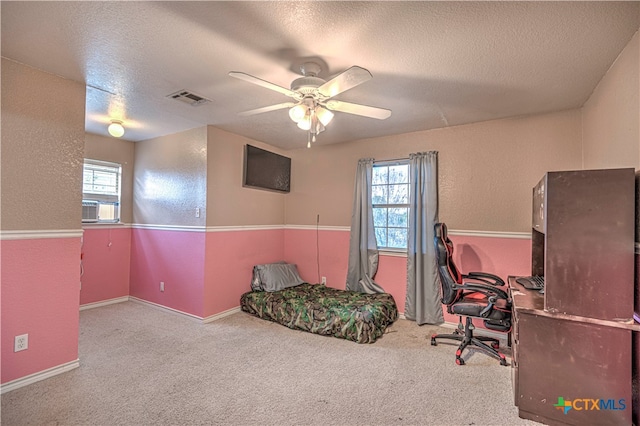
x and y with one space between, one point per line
312 97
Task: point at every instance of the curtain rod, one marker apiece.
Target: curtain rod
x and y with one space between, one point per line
392 159
399 159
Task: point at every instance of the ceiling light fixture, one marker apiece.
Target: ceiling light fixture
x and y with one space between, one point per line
310 116
116 129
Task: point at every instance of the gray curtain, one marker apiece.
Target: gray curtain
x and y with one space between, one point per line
423 285
363 249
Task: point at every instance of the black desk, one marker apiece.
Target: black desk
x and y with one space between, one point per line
571 357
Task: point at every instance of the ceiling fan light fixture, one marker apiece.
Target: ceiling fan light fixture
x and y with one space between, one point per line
305 123
297 112
324 115
312 108
116 129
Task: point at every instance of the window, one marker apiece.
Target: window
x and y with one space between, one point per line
390 199
101 191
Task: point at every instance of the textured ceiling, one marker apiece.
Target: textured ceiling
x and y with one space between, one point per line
434 64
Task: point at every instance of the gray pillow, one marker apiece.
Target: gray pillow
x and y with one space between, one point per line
257 281
278 276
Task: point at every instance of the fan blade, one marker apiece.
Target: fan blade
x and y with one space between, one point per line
344 81
357 109
263 83
267 109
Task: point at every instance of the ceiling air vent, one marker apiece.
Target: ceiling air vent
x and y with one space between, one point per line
188 98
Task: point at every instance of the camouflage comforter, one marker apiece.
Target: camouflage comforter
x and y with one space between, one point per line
324 310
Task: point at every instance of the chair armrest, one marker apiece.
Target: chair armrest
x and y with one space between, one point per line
485 277
485 289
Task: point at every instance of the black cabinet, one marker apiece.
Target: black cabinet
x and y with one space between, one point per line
581 361
583 237
572 346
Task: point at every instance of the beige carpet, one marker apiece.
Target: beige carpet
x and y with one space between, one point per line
145 366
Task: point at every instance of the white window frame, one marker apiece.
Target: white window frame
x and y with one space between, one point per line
403 162
105 198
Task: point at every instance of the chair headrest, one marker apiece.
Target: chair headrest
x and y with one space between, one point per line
441 231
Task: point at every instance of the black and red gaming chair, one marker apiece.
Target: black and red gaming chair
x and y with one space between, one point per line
474 295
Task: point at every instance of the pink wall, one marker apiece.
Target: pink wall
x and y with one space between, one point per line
230 256
174 257
497 255
206 273
106 263
392 276
301 247
40 296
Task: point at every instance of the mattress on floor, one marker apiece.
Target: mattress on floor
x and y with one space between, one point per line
319 309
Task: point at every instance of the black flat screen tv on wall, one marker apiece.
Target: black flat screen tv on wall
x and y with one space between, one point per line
266 170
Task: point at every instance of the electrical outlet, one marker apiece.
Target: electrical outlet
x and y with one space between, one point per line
197 212
161 285
324 280
21 343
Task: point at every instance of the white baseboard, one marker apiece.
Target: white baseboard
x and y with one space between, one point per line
41 375
164 308
220 315
192 316
104 303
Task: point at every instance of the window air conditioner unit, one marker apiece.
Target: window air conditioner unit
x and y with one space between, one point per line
89 211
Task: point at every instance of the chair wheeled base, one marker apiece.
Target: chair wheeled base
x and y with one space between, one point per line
465 335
